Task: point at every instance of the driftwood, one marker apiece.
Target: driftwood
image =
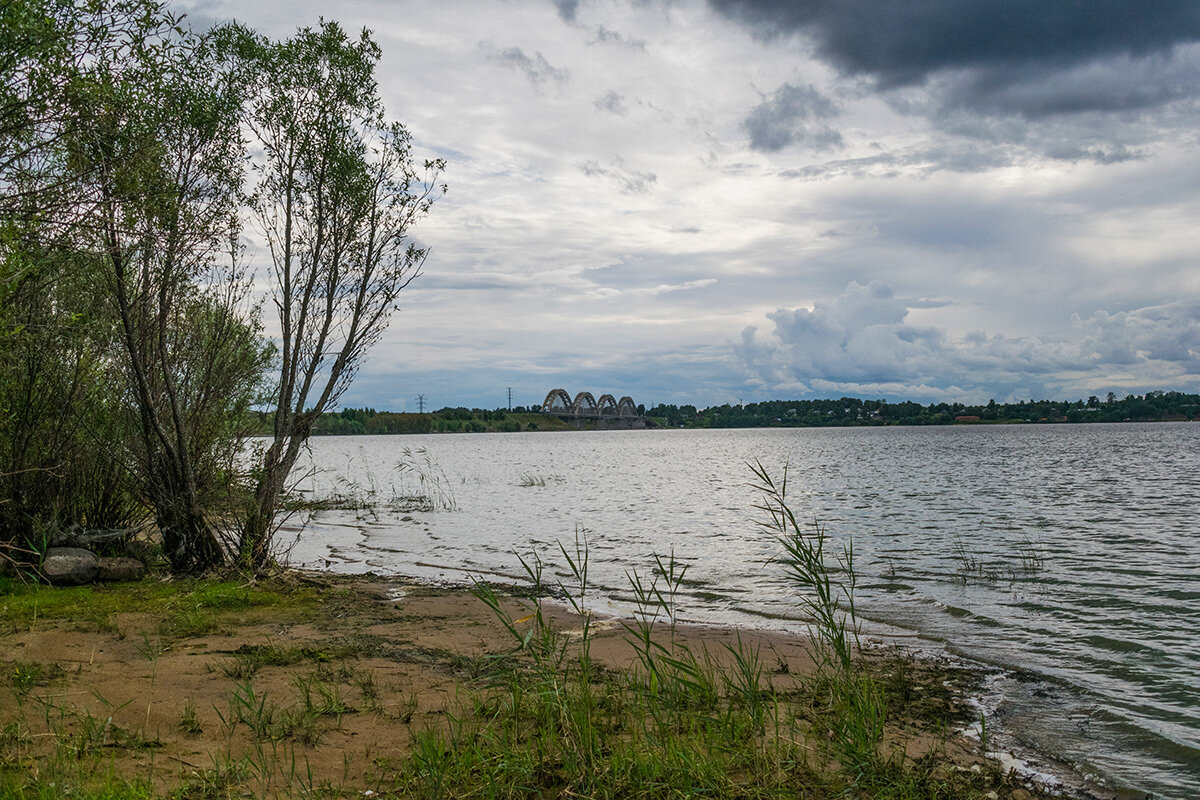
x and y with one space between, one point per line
76 536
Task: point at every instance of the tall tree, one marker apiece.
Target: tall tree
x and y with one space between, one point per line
56 394
338 190
155 139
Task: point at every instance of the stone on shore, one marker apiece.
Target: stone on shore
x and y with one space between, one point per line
121 569
70 566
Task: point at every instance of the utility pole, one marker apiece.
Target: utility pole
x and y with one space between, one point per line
421 403
510 398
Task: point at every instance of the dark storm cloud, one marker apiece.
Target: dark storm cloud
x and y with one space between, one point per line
1006 53
567 9
949 156
1040 90
792 116
1098 155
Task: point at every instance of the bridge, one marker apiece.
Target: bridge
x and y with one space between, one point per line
607 412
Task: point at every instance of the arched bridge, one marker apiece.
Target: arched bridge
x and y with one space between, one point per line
584 408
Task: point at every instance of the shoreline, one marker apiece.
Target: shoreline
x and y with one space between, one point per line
173 682
1055 775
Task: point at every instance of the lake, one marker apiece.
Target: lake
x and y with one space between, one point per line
1067 557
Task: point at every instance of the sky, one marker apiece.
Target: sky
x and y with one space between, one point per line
726 201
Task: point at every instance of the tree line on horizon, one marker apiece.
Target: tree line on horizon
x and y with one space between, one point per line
1156 406
134 152
368 421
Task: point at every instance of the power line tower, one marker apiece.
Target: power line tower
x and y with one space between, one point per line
421 403
510 398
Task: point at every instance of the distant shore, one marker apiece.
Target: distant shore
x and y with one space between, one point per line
843 412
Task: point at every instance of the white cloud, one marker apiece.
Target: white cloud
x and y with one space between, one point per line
862 340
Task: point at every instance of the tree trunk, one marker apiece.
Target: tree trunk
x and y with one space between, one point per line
188 542
258 530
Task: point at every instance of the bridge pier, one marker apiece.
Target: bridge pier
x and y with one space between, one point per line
603 423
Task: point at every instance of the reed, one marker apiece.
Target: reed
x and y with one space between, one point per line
826 580
433 491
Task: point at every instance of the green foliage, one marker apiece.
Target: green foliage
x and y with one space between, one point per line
542 719
248 659
337 189
356 422
128 360
827 583
62 431
158 143
368 421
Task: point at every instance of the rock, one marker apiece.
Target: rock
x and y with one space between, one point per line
121 569
70 566
1020 794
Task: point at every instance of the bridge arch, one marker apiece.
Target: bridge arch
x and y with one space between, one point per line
557 402
607 405
585 409
585 405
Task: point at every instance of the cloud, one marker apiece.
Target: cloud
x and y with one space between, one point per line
1167 333
792 116
1029 57
631 181
1070 151
652 291
862 339
1038 90
992 183
608 36
536 68
568 12
901 42
859 336
613 103
567 9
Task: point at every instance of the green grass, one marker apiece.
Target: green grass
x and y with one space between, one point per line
247 660
191 607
